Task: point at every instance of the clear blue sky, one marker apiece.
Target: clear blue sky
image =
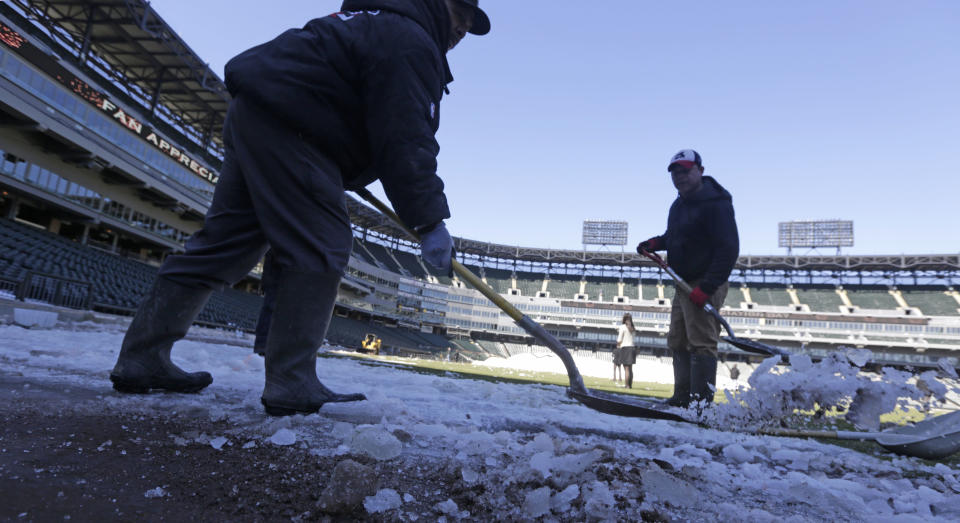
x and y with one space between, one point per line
570 110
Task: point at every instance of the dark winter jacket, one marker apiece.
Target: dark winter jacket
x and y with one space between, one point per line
364 85
701 239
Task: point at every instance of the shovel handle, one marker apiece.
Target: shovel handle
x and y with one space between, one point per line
827 434
731 337
458 268
686 287
523 321
669 270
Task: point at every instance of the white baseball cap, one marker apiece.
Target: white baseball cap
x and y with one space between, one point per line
686 158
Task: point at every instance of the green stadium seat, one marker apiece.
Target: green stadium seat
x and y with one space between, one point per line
822 298
764 294
932 301
871 297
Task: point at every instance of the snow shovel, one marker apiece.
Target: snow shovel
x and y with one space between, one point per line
932 438
603 402
741 343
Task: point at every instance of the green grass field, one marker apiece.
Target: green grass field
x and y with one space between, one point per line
497 374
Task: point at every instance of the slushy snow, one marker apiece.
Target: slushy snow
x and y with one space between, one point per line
528 451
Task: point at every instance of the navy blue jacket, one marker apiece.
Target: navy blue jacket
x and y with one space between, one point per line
364 85
701 239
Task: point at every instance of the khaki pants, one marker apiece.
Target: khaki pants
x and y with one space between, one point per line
693 329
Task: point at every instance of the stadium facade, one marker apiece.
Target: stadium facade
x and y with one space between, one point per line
109 150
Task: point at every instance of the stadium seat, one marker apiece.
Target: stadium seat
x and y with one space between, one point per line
118 284
529 283
931 300
564 286
410 262
876 298
822 298
764 294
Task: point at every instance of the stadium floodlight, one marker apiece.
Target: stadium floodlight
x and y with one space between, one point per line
816 233
604 232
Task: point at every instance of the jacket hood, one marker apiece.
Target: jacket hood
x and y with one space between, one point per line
710 190
431 15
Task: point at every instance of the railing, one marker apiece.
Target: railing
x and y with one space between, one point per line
62 292
8 286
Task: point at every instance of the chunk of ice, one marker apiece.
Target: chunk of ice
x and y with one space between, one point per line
384 500
947 366
666 488
598 500
738 454
376 442
283 437
859 357
155 493
470 476
541 443
561 501
448 507
537 502
342 430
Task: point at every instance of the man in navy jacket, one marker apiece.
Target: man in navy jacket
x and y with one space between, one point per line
347 99
702 246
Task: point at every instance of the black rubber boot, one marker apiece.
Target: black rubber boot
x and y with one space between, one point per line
268 282
703 377
681 379
263 325
304 305
162 319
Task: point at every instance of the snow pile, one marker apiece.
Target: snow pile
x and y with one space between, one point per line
776 393
771 394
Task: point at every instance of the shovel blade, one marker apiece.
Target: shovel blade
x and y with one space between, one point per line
933 438
623 405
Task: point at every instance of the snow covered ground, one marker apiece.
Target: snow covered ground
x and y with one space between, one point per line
521 451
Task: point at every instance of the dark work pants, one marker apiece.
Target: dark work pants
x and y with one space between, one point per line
693 329
275 191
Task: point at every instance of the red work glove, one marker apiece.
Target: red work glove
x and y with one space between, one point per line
698 297
651 245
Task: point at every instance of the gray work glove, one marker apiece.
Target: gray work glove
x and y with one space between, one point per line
436 247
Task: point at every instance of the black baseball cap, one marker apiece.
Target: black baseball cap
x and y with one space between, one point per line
481 23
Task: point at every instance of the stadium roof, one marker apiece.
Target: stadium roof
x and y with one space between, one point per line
370 219
132 45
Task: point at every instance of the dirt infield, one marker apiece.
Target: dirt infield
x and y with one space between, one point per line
60 460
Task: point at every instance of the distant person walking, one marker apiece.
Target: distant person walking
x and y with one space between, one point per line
702 246
348 99
628 350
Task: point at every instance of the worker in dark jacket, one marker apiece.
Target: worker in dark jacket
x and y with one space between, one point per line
702 247
348 99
